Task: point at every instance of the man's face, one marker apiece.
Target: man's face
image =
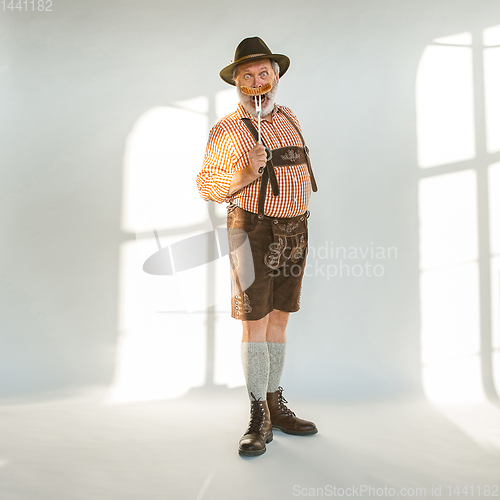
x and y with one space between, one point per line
256 74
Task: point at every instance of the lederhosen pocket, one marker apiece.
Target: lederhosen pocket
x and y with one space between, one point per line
290 242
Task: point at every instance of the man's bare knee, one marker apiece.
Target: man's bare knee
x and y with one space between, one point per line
255 331
276 326
278 317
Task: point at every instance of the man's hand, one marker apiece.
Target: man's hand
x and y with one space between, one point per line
257 159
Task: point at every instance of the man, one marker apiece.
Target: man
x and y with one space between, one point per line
268 187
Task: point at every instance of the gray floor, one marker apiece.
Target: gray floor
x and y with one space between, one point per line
78 448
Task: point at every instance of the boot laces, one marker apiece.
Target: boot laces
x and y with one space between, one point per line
257 415
281 403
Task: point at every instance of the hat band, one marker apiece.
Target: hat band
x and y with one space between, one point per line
251 55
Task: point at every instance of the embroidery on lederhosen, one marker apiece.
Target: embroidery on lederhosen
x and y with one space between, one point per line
246 303
286 239
290 155
298 251
247 308
276 249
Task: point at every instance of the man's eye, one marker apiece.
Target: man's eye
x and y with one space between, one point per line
264 73
246 77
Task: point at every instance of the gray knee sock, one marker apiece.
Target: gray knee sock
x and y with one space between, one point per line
255 360
276 363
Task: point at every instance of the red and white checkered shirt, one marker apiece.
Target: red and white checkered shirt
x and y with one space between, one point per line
227 152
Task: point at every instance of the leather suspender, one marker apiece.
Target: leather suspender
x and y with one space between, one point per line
306 150
269 173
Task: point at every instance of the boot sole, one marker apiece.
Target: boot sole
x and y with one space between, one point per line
256 453
296 433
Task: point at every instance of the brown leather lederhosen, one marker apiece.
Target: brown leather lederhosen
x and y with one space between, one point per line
280 157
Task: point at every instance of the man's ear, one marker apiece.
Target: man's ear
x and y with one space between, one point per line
235 78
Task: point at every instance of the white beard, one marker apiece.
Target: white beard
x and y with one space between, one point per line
247 102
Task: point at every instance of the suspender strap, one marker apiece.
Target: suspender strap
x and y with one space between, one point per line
306 149
271 174
262 192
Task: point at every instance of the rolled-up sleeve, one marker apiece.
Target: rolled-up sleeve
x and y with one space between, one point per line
214 179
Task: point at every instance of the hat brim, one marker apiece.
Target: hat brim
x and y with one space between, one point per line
283 62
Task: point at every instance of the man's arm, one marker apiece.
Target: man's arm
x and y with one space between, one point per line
214 178
257 159
217 180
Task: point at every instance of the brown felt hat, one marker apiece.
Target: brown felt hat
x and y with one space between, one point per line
249 49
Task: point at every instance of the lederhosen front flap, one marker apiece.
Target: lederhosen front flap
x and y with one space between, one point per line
289 155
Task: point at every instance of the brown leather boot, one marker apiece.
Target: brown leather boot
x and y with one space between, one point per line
259 432
284 419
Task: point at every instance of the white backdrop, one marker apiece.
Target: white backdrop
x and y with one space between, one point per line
106 108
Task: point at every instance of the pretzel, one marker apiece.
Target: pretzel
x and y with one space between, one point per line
256 90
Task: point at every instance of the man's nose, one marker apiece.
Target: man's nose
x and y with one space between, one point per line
258 82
